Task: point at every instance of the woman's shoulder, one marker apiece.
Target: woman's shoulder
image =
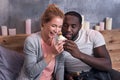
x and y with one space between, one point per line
34 37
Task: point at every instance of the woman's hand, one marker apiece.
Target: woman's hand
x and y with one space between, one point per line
58 47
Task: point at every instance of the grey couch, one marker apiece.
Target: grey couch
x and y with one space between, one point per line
10 63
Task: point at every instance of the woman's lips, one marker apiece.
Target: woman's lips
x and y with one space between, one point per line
53 34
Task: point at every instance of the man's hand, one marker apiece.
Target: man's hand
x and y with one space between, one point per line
72 48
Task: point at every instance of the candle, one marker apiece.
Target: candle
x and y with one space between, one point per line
97 27
108 23
101 26
28 26
86 25
82 21
12 32
4 30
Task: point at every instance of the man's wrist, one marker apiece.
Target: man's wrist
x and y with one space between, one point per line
80 56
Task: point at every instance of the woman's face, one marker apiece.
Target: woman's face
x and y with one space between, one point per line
52 28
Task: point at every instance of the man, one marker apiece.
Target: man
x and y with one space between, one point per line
85 49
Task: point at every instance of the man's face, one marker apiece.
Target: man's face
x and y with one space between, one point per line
71 27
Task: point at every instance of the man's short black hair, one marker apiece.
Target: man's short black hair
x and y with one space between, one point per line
73 13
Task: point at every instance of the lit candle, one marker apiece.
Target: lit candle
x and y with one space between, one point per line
4 30
86 25
101 26
82 21
108 23
28 26
12 32
97 27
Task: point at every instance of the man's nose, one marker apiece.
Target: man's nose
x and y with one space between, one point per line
69 28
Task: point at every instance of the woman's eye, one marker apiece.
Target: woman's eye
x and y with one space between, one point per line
53 25
60 26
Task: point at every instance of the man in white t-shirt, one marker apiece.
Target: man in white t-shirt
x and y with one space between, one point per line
84 49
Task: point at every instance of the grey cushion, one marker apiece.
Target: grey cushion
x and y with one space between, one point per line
10 64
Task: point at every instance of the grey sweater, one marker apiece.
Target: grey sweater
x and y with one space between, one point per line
34 62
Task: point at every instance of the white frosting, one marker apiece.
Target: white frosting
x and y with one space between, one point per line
61 37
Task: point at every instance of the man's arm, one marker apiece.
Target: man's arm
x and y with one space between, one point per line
104 61
101 60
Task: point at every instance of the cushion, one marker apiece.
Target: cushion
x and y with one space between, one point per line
10 63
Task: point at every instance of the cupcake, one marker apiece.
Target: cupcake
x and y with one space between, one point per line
61 37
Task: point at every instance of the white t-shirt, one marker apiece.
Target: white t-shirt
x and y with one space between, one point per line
86 41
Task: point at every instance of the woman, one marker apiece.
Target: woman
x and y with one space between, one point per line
43 55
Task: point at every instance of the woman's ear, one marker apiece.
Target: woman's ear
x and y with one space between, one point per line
41 28
43 25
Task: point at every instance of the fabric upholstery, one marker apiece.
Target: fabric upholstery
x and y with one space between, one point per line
10 63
